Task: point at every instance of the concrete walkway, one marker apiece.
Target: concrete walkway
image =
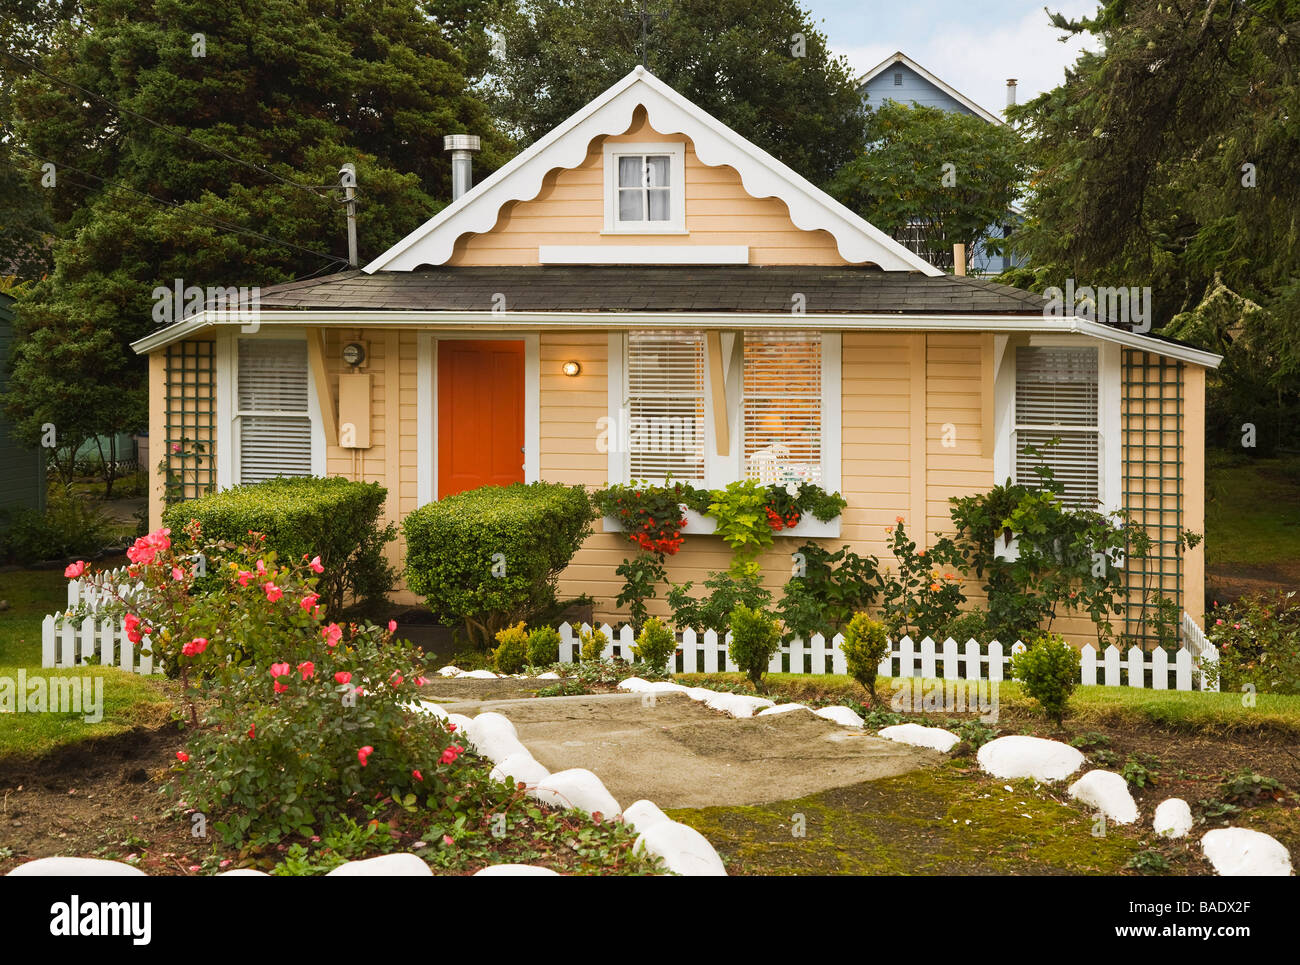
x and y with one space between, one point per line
679 753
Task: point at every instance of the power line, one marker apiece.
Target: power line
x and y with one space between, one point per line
312 189
216 222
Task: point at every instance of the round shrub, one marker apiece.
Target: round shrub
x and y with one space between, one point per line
544 647
1049 670
864 647
755 639
491 556
336 519
655 644
1258 638
592 643
511 653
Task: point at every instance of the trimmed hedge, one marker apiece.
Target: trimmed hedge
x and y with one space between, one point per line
490 557
336 519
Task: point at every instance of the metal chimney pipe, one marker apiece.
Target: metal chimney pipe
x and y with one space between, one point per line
1011 92
463 147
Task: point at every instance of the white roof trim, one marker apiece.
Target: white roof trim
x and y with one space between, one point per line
902 58
669 112
616 321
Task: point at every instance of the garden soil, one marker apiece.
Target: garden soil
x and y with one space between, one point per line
680 754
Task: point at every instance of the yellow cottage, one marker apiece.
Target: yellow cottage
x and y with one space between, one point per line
644 292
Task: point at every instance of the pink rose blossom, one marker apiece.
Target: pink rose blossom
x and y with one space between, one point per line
392 626
273 592
195 647
74 570
343 677
364 753
279 670
332 634
309 601
307 669
315 565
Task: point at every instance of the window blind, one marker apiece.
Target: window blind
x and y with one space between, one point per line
274 426
1056 397
781 406
665 376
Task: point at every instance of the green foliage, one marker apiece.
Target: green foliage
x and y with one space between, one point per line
798 102
592 643
741 514
70 526
1140 770
826 590
712 611
899 183
641 576
491 556
1049 670
755 639
651 516
309 85
1148 863
655 644
967 626
1258 638
866 642
1247 787
921 595
336 519
511 653
543 646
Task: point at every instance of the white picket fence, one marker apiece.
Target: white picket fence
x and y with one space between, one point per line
70 642
708 653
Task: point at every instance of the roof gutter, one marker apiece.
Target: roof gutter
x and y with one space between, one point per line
617 321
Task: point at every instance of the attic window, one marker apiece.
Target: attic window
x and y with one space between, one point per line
644 188
898 78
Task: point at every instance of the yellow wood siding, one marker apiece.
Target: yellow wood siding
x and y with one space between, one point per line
569 210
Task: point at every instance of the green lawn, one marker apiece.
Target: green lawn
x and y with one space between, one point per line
1207 713
130 700
1252 509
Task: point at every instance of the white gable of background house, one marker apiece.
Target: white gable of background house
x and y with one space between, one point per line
811 209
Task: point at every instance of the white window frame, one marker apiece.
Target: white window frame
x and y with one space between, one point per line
227 365
1109 379
676 154
723 468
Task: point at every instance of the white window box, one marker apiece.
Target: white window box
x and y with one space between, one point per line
1007 549
809 526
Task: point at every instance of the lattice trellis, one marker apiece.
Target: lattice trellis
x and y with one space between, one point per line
1152 414
190 443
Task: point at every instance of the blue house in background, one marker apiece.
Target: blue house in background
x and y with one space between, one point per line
901 79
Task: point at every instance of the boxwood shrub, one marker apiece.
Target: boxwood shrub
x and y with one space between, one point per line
337 519
490 557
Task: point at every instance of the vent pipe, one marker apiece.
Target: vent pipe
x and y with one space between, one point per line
1011 92
463 147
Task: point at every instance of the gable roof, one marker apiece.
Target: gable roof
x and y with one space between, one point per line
478 210
899 57
722 288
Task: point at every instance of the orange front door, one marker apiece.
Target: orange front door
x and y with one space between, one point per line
480 414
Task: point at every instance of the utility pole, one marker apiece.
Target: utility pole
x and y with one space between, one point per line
348 180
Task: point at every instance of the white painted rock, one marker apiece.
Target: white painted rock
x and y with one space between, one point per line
59 867
520 769
449 671
243 873
515 871
782 709
1238 852
637 685
1108 793
643 815
683 849
737 705
698 693
461 723
936 738
1173 818
1035 757
402 865
577 788
840 715
549 675
494 737
476 674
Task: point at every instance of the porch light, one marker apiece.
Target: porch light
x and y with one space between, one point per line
572 369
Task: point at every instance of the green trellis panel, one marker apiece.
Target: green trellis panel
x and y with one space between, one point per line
190 444
1153 485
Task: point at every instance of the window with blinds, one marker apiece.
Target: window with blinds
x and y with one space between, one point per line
665 380
781 406
1056 398
273 424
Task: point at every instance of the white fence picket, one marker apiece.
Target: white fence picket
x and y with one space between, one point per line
1111 659
710 651
731 665
995 661
690 648
1136 667
838 662
1088 665
1183 670
1160 669
927 659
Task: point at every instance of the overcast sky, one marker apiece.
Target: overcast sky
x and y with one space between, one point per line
971 45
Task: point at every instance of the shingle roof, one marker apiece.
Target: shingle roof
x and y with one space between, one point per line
582 288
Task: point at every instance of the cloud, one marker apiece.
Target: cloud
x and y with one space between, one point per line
977 57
